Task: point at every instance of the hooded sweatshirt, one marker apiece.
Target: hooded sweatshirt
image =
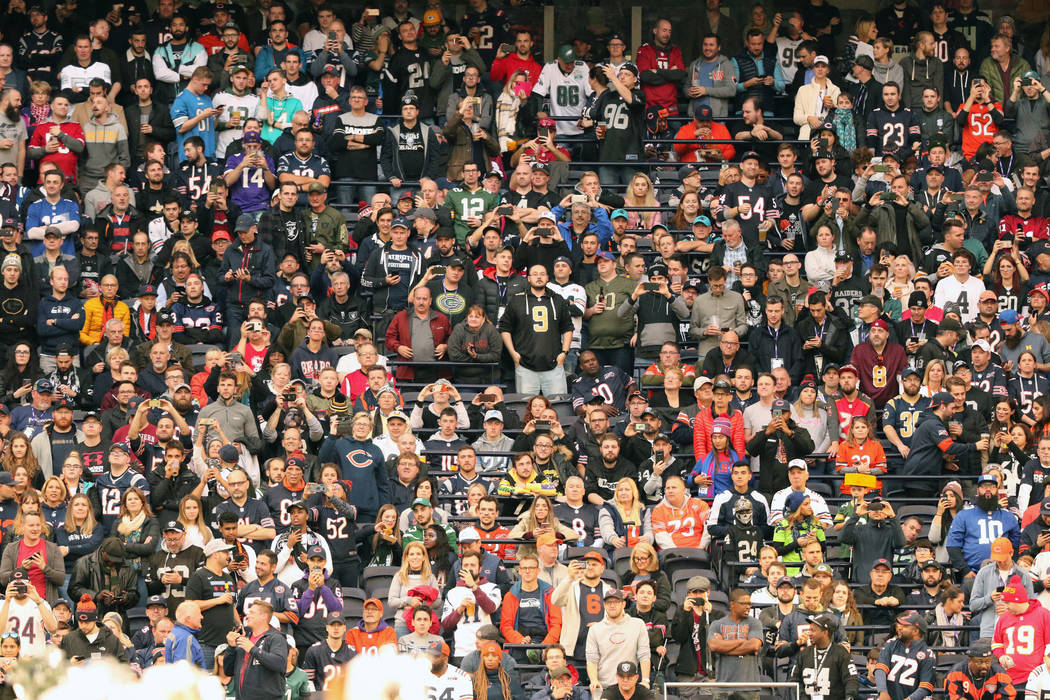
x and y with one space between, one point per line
106 142
360 463
920 74
17 312
888 71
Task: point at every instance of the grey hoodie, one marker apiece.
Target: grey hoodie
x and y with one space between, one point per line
919 75
106 142
890 71
717 76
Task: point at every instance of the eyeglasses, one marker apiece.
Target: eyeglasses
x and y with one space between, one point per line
236 483
642 557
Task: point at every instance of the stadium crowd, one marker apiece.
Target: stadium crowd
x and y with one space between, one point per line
325 332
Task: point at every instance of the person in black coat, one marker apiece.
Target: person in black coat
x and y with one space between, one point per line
833 328
689 627
258 667
76 644
776 344
159 124
784 437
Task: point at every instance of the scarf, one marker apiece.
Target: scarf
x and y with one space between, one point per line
845 131
948 639
38 114
127 525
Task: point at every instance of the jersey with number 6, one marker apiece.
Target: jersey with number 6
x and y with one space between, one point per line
566 93
1023 638
906 669
453 684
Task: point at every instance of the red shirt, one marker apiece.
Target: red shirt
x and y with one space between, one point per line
36 575
652 57
980 127
63 157
503 68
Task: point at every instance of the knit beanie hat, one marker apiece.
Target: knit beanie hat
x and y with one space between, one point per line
86 610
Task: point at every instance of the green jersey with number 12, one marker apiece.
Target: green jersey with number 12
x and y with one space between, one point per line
465 205
567 94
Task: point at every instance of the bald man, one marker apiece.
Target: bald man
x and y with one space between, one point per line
182 642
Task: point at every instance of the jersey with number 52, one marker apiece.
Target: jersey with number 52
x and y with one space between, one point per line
1023 638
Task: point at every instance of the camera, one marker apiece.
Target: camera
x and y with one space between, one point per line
640 427
650 286
887 196
438 269
315 488
543 426
290 396
239 557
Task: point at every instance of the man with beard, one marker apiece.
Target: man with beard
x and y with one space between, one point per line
967 546
902 413
949 333
175 61
1016 341
879 362
916 329
933 449
106 142
228 60
538 342
931 575
851 402
906 650
747 201
196 174
980 669
283 226
602 475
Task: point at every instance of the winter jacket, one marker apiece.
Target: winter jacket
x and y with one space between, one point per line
41 447
871 540
773 475
166 493
391 163
398 334
658 318
463 148
182 645
990 72
238 422
836 344
76 645
259 673
488 292
486 342
258 259
566 596
68 314
88 579
884 221
96 313
785 345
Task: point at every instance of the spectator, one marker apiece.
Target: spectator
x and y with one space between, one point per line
617 642
874 533
815 99
727 638
258 661
183 644
775 344
1021 612
967 549
89 640
578 596
986 596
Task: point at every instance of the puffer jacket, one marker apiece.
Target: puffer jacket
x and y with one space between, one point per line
182 644
488 292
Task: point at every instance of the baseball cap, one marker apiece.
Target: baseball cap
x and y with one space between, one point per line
848 369
881 562
880 323
1006 316
220 235
630 67
980 649
618 214
658 270
825 622
559 672
821 59
469 534
397 415
593 556
702 112
229 453
1044 507
909 372
335 618
605 255
911 618
1002 549
422 502
401 222
316 552
566 54
244 222
216 544
750 155
702 220
983 345
545 539
44 386
491 415
865 61
562 259
686 171
987 479
315 188
780 405
615 593
156 600
627 668
798 463
549 215
698 583
941 398
722 385
147 290
870 300
332 69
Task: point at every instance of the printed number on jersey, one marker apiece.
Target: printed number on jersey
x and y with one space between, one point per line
903 670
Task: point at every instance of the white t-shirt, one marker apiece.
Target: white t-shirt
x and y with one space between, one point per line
465 636
24 619
231 104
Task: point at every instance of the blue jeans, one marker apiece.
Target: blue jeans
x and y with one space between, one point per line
209 656
235 315
548 383
352 194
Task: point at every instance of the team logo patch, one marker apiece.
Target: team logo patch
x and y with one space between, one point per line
359 459
921 655
278 590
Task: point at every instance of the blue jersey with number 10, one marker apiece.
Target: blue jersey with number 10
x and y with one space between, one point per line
187 106
974 530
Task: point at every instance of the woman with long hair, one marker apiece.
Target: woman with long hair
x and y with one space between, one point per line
475 493
191 515
73 476
948 506
796 529
440 553
859 44
79 536
689 207
19 375
534 408
474 339
19 453
415 571
839 601
640 193
1010 452
53 499
933 378
646 566
1003 417
668 403
492 681
386 542
1026 382
624 520
860 452
539 520
1009 278
902 276
514 94
115 623
139 531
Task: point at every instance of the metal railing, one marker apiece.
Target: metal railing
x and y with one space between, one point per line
757 686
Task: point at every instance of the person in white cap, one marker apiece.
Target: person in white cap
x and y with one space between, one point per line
814 100
214 589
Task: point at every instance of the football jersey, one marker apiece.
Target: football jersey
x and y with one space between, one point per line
1023 638
465 633
338 530
980 126
624 124
453 684
464 204
1025 390
892 131
610 384
312 166
583 520
111 490
187 106
906 668
312 622
322 665
274 592
493 28
231 104
762 203
786 57
250 192
992 380
903 417
566 94
847 410
24 619
194 180
277 498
